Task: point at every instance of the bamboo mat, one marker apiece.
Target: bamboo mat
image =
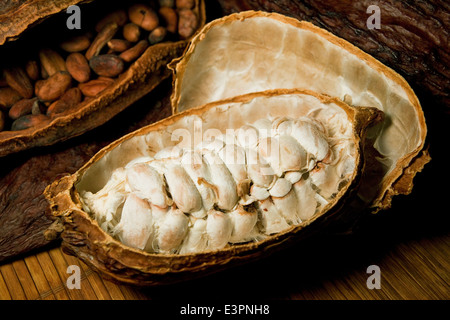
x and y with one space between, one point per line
413 269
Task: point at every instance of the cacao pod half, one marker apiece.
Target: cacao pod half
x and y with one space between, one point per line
93 239
253 51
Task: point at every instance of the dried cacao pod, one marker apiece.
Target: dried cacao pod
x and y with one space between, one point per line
270 51
22 26
107 220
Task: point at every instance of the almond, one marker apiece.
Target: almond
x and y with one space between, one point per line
78 67
107 65
53 87
18 79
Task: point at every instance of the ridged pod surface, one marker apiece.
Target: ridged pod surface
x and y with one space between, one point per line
161 204
253 51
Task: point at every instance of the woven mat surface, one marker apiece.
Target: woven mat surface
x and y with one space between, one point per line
414 269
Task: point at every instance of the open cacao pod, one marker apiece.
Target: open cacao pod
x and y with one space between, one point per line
140 214
42 60
253 51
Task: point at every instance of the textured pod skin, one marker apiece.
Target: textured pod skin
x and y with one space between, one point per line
82 236
139 79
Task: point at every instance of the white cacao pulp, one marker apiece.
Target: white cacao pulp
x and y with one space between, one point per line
239 186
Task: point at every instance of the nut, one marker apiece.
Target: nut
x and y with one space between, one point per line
76 44
170 18
8 97
68 100
18 79
28 121
107 65
53 87
51 61
131 32
94 87
134 52
78 67
143 16
187 23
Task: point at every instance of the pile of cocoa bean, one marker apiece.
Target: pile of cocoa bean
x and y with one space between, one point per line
60 78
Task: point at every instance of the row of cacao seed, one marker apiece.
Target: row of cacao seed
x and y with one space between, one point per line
59 79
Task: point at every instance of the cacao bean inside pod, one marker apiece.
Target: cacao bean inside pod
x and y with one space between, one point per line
252 51
176 240
42 32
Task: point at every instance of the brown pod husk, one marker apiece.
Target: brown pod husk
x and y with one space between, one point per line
143 75
253 51
82 235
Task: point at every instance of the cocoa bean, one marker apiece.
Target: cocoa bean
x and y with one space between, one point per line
119 17
8 97
102 38
18 79
76 44
107 65
32 69
131 32
185 4
38 107
94 87
167 3
134 52
78 67
2 120
21 108
187 23
51 61
143 16
119 45
53 87
157 35
170 18
28 121
68 100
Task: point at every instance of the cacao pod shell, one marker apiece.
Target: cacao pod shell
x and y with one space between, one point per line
82 236
269 51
